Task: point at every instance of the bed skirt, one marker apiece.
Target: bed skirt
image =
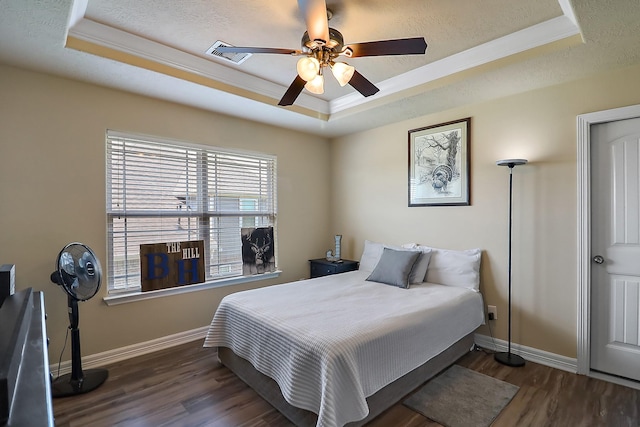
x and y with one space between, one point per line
380 401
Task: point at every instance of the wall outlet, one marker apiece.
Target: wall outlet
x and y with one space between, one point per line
492 312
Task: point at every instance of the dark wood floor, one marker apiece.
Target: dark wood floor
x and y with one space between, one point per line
187 386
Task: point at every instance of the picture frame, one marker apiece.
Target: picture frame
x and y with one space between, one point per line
439 164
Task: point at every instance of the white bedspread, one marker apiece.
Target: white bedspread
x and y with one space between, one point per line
331 342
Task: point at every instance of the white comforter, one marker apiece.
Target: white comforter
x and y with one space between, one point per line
331 342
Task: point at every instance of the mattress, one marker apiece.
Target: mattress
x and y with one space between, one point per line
332 341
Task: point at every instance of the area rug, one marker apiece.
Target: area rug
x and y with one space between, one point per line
460 397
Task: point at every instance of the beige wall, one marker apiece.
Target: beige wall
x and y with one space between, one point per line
52 192
369 199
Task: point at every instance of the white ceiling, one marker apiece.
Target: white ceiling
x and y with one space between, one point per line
477 50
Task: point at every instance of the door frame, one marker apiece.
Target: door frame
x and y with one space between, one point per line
584 123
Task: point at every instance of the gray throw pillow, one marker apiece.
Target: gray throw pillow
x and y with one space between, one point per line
394 267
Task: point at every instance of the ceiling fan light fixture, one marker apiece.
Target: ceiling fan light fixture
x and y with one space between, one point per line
321 45
308 68
342 72
316 85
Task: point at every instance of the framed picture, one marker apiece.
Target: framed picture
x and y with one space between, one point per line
439 164
258 253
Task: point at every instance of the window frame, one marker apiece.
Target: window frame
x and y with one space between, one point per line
205 217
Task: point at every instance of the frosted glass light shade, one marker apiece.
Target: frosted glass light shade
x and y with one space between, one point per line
342 72
316 85
308 68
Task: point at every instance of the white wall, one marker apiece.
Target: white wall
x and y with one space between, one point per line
52 192
370 199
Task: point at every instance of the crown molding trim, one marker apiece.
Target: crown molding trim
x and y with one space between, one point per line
103 40
530 38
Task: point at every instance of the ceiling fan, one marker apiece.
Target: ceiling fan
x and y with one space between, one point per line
321 46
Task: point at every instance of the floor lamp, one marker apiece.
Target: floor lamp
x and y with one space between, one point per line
509 358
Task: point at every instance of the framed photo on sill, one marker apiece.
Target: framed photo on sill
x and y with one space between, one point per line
439 164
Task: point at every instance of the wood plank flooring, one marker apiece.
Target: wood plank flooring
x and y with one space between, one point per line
187 386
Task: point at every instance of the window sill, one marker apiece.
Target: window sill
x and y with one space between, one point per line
117 299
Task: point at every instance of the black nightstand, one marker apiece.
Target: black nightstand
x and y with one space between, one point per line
321 267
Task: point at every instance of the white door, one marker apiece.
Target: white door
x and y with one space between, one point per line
615 248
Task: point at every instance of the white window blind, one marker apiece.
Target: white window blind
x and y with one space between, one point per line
166 191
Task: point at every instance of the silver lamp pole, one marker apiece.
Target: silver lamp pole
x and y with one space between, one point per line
509 358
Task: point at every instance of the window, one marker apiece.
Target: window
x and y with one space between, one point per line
167 191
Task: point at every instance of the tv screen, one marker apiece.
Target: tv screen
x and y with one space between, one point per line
15 319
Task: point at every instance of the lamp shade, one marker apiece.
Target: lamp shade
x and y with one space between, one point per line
342 72
308 68
511 162
316 85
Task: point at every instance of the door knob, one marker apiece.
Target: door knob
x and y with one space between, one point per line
598 259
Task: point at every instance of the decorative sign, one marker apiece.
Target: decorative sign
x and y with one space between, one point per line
167 265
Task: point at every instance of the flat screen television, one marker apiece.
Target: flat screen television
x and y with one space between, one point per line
7 281
15 319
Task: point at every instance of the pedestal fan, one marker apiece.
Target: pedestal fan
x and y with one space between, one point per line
78 272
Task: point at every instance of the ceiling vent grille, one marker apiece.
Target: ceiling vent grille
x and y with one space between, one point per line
236 58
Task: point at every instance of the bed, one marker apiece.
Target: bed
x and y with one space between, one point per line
338 350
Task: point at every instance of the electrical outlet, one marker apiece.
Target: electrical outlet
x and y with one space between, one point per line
492 310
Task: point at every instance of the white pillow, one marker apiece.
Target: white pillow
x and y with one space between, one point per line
372 253
454 268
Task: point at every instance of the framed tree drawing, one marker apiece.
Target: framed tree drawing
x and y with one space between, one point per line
439 164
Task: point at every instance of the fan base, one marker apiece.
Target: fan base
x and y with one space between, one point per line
509 359
64 386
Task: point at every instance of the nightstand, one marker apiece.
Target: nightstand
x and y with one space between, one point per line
321 267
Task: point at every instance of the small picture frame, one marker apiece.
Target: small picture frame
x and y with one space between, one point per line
439 164
258 250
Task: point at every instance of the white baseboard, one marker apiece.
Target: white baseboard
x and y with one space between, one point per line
123 353
542 357
117 355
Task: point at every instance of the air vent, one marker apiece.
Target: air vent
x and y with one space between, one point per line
236 58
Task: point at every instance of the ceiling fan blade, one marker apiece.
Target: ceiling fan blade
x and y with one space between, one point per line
362 85
411 46
315 16
292 93
240 49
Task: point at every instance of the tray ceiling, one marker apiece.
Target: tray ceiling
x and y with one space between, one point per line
476 51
